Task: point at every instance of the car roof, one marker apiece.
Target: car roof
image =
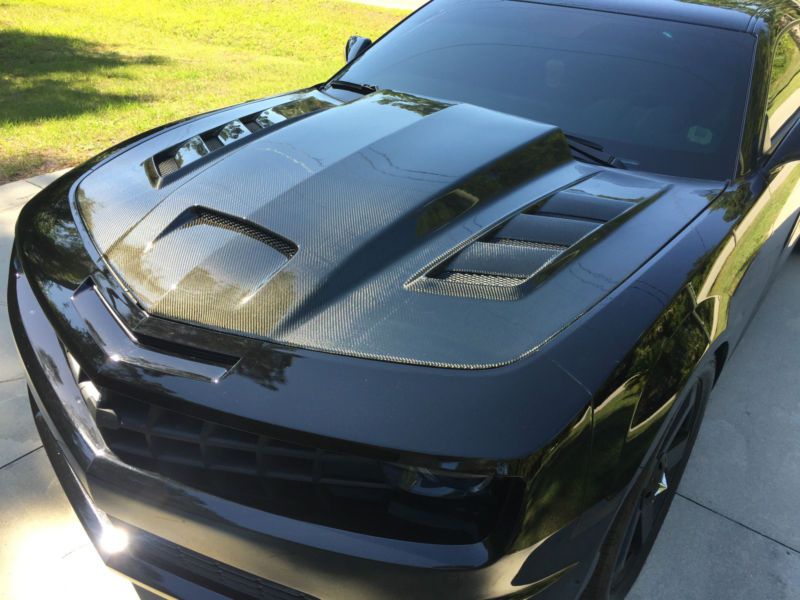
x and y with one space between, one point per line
738 15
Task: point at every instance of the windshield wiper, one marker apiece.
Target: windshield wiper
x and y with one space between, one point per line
358 88
593 151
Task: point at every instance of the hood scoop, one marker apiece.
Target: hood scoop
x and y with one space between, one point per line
200 216
501 263
196 261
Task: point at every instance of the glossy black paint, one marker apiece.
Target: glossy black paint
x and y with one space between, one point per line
623 322
356 46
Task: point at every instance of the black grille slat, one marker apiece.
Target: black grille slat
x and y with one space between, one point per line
270 450
128 445
230 445
171 434
347 483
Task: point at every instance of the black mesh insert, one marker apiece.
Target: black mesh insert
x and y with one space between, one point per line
479 279
334 489
203 216
165 167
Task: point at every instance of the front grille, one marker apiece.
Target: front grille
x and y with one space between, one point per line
330 488
224 579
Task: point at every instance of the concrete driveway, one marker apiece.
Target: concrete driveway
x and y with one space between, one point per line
733 531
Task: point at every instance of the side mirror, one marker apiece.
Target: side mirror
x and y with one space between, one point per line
788 149
356 46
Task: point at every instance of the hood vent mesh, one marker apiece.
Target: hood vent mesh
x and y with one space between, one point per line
479 279
503 259
167 166
526 244
204 216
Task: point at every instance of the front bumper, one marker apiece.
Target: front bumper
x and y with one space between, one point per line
188 544
133 563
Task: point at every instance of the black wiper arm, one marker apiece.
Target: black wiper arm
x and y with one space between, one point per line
593 151
358 88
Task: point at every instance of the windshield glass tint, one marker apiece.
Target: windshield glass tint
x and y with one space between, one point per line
662 96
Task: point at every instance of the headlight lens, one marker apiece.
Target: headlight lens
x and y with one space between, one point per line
435 484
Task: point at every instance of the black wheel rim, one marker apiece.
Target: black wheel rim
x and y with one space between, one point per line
656 495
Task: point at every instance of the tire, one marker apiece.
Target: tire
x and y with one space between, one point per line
642 513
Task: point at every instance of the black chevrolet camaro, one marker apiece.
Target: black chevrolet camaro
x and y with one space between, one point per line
444 326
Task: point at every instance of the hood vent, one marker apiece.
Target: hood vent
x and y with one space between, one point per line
201 261
164 166
202 145
199 216
499 262
512 254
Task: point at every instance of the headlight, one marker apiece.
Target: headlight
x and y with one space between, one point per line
435 484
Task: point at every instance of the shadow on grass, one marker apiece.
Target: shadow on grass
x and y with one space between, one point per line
46 76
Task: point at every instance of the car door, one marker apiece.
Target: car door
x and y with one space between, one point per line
767 230
783 111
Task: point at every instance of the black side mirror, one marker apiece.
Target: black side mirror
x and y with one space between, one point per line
356 46
788 149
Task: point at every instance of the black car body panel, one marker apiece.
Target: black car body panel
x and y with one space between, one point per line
263 447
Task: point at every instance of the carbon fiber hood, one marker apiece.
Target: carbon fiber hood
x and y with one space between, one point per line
392 227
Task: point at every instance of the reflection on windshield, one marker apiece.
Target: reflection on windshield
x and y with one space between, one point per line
662 96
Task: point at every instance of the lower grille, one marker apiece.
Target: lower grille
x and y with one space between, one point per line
210 573
310 484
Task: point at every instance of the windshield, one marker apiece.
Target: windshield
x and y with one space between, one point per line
662 96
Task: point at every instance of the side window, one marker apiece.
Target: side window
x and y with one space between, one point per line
784 86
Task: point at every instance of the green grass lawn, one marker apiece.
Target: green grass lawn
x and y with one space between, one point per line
76 76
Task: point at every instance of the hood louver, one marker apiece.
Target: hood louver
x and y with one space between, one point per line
511 255
165 166
204 144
